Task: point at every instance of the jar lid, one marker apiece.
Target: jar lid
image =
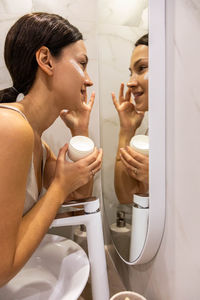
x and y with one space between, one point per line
81 143
140 143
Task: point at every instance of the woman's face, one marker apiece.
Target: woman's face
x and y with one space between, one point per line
139 77
70 79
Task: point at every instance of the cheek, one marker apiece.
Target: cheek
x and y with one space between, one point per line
68 81
146 76
77 67
145 82
70 74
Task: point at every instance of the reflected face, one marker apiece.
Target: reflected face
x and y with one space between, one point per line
139 77
70 76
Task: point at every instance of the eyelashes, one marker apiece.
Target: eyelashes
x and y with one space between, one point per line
83 64
139 70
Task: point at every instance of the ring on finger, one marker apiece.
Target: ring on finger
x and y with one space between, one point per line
135 171
92 172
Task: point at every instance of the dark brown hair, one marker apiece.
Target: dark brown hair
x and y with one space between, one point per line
144 40
24 38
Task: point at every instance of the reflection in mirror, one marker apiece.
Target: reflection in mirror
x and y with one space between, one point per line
131 166
124 72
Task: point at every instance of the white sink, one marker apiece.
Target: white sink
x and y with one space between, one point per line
57 270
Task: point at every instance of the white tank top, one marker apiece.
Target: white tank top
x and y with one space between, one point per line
32 193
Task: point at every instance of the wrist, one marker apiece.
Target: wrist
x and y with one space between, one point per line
127 132
79 131
60 192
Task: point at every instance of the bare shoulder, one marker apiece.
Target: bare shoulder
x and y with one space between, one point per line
15 129
17 141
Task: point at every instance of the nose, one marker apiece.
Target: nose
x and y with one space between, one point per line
133 81
88 81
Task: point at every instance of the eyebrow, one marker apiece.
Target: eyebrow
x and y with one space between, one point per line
137 62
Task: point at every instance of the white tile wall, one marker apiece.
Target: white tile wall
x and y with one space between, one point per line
126 12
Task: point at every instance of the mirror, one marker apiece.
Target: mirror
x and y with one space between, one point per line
120 26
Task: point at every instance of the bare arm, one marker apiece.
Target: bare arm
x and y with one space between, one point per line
78 123
20 235
125 186
130 120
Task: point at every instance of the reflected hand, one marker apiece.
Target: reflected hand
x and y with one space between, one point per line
137 164
78 120
130 119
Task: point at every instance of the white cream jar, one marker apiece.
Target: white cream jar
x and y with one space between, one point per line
140 143
79 147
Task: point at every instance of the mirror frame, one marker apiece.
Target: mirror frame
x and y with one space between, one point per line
156 219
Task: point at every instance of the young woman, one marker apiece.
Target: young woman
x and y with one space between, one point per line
131 167
47 61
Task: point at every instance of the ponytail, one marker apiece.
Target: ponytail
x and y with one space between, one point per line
8 95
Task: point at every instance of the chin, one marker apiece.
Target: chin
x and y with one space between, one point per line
141 108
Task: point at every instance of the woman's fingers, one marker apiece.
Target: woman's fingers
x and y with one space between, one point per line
91 102
62 152
92 162
137 164
114 99
128 95
96 165
121 93
136 155
122 99
63 114
130 168
90 158
129 159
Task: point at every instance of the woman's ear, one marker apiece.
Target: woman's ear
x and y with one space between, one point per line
44 60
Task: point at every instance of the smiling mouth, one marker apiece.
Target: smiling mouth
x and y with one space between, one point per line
137 95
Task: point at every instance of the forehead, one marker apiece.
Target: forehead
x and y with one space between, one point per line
76 48
141 51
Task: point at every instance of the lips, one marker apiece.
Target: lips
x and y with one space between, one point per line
137 94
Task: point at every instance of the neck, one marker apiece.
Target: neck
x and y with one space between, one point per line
39 108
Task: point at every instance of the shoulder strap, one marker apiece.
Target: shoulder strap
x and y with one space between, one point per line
16 109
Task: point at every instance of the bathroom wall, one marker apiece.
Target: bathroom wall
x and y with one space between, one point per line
174 273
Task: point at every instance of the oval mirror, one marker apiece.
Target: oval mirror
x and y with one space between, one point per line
132 51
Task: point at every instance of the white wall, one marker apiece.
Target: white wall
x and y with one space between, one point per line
174 273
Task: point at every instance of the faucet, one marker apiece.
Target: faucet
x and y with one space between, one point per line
90 216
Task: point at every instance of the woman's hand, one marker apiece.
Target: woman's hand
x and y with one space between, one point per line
130 119
78 121
71 176
137 164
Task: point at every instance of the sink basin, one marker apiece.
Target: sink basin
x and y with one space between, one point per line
57 270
